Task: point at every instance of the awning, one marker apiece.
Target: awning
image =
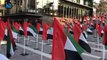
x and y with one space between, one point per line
22 16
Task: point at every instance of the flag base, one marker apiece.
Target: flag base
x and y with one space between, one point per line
18 42
50 53
97 51
48 44
95 37
27 45
16 48
36 48
24 54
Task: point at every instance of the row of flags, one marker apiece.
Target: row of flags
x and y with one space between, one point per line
9 32
65 45
13 30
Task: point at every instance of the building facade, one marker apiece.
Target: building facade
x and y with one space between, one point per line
60 8
2 9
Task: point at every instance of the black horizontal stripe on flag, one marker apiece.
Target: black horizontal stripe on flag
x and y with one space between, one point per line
85 46
21 32
72 55
49 36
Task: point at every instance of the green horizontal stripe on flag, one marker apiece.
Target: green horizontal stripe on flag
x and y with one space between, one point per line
76 45
34 29
106 47
13 29
8 43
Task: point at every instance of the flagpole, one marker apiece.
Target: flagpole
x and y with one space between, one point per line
37 42
48 42
98 42
42 51
103 52
27 41
18 38
24 46
95 33
24 51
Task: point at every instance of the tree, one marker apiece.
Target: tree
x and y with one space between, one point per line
102 7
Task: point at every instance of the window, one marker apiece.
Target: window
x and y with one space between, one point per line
78 1
31 4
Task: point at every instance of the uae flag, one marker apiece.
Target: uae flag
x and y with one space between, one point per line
64 45
14 32
21 31
25 27
50 33
11 46
32 31
83 42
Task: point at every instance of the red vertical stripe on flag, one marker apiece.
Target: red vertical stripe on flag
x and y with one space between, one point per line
2 29
77 31
38 26
59 39
25 26
105 36
45 29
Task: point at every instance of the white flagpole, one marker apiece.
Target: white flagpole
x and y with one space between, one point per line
24 45
24 51
95 33
37 42
42 50
27 41
18 38
98 42
42 41
48 42
103 52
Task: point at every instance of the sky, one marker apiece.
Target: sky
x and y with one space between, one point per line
97 1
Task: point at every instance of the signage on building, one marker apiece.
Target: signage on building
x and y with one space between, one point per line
8 5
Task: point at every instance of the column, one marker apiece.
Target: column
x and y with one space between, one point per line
63 10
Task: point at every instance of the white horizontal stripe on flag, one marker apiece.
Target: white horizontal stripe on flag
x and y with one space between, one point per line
6 32
88 30
11 50
83 38
14 34
50 31
31 30
69 45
